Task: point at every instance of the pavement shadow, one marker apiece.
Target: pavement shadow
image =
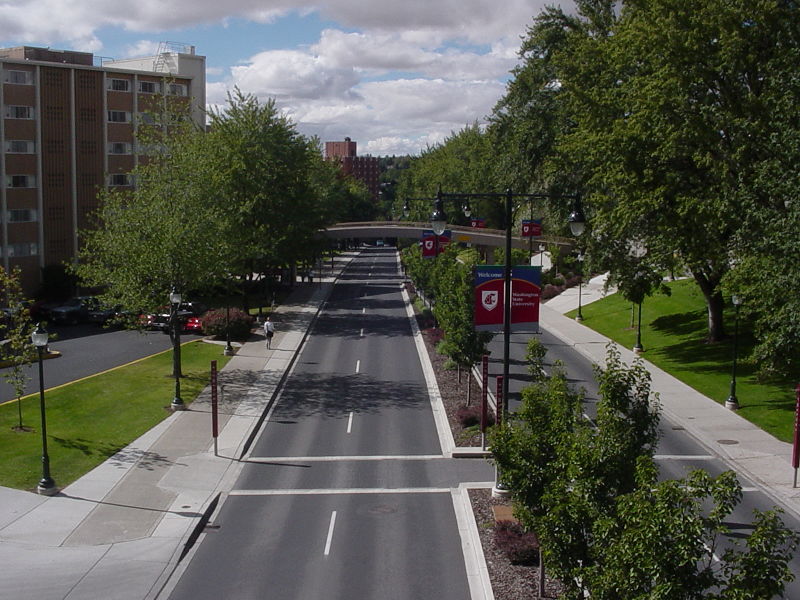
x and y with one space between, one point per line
334 395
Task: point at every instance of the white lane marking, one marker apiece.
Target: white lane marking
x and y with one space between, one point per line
294 459
684 457
339 491
358 366
364 310
350 422
362 332
330 534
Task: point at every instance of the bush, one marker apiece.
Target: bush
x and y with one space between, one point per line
215 322
470 416
520 547
551 291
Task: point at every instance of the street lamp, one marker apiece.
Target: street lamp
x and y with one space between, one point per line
579 316
46 487
438 216
175 300
228 348
638 348
732 402
576 219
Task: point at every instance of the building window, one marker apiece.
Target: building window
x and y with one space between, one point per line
118 85
20 181
19 112
19 146
23 249
20 77
149 87
119 148
119 179
22 215
146 118
177 89
119 116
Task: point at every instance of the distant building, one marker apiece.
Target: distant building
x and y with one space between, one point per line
363 168
67 129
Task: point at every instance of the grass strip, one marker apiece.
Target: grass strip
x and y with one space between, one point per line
89 420
674 330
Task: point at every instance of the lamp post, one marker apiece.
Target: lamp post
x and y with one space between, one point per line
47 486
579 316
228 348
732 402
638 348
577 223
175 299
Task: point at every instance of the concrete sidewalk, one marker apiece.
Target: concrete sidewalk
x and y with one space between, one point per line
747 449
119 531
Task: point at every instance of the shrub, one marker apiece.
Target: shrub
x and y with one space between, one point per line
470 416
551 291
535 354
215 322
520 547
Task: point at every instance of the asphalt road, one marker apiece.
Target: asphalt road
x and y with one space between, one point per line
347 494
88 349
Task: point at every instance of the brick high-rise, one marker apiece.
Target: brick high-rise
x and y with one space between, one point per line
67 129
364 168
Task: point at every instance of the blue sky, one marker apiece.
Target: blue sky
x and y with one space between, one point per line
394 76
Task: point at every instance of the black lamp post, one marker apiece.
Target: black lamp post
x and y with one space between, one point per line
732 402
638 348
47 486
228 348
175 300
579 316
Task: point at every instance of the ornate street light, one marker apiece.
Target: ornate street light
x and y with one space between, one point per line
47 486
438 216
576 219
175 300
732 402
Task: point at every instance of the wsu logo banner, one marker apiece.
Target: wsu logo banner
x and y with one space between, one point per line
429 242
532 228
489 298
489 290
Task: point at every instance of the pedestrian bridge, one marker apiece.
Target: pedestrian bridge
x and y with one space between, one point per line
467 235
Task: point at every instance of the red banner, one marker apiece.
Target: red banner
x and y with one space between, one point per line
489 294
532 228
525 295
429 243
478 223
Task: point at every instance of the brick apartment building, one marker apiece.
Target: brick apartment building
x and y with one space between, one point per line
364 168
68 128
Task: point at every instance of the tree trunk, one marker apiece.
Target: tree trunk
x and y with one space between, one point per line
715 303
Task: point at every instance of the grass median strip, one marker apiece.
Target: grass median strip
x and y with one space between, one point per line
674 330
89 420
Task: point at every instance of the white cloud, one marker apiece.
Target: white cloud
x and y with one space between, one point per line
396 76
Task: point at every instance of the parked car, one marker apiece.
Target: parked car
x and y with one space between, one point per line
102 313
74 311
187 311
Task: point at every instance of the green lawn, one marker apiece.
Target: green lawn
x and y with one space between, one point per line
673 335
89 420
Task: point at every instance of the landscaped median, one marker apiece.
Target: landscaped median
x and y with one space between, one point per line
91 419
674 330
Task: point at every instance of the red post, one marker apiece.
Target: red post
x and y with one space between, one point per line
484 391
796 446
499 408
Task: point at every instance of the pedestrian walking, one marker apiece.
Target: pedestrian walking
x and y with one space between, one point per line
269 331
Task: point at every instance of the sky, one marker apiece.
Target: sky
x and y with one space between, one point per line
396 76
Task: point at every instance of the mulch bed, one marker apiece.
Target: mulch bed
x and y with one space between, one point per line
509 581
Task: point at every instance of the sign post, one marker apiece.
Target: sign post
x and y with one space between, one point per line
484 398
214 406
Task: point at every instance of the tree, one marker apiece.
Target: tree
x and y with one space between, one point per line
668 540
15 328
674 114
269 183
162 234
